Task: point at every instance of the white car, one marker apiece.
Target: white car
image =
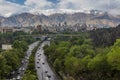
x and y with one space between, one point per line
20 69
27 57
26 61
18 78
22 61
23 69
46 78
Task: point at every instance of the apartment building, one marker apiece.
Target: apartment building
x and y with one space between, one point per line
6 29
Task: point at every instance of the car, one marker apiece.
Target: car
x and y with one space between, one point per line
20 68
22 61
37 61
18 78
13 72
46 78
27 57
18 72
13 78
46 71
48 75
49 39
43 63
26 61
39 57
23 69
38 66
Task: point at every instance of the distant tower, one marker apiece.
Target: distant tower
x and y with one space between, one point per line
1 30
0 24
39 27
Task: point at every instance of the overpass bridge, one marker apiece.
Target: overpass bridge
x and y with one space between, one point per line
44 36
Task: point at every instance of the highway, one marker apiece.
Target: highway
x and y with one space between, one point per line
43 69
24 63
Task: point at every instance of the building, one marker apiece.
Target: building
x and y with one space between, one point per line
6 29
39 28
6 46
28 29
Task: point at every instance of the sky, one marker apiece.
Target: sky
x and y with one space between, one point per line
9 7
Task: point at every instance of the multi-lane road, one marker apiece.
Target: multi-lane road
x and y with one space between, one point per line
24 63
44 71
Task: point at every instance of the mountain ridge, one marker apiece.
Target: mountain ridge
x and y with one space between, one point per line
93 18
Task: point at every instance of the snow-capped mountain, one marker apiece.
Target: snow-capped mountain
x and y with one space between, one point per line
65 11
53 16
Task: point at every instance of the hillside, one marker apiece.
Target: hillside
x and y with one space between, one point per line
28 19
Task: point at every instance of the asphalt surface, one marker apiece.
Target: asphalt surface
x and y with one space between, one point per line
24 63
44 71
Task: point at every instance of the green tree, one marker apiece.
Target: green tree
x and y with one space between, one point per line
2 65
81 51
20 45
29 76
113 57
4 68
12 59
72 66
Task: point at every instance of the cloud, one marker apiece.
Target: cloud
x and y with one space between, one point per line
8 8
38 4
104 5
41 4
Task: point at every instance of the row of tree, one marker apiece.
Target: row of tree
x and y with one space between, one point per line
105 36
9 38
31 73
78 59
10 60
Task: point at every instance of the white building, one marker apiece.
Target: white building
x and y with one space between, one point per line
6 47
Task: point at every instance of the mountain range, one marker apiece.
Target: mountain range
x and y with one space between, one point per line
92 17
